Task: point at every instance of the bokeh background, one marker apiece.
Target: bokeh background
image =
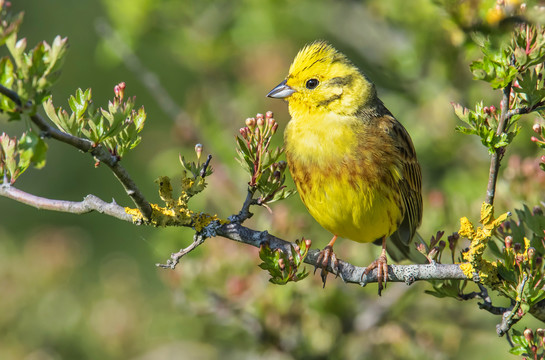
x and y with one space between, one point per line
86 287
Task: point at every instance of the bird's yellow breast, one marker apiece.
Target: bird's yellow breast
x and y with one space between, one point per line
342 183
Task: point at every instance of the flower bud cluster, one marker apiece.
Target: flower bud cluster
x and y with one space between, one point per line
259 129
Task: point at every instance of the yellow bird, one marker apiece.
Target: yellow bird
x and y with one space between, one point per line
353 163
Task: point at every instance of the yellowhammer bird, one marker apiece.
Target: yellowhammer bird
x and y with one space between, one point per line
353 163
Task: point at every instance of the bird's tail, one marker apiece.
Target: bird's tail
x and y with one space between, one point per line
401 250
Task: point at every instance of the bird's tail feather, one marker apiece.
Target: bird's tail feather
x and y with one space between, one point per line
400 250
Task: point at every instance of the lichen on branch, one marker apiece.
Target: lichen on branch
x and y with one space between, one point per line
476 266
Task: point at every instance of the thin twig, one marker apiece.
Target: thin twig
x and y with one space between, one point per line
244 212
524 110
512 316
171 263
487 301
206 164
90 203
498 153
98 152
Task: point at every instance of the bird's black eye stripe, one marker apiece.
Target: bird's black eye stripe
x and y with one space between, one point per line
312 83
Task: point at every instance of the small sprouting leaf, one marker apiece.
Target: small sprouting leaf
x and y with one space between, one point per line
32 149
518 350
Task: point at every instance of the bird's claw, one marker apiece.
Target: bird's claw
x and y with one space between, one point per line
325 257
381 264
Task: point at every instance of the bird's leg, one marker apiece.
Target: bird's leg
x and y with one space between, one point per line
326 256
381 264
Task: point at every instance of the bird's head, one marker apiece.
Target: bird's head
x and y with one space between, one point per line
322 79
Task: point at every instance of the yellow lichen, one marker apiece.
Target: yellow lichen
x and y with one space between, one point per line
175 212
475 264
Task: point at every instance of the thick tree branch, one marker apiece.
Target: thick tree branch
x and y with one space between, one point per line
89 203
237 232
348 272
98 152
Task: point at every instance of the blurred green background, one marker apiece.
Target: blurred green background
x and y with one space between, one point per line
86 287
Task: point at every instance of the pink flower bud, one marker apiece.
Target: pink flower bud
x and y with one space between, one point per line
531 253
260 122
508 242
259 116
534 139
281 264
492 109
250 122
119 90
269 114
308 243
529 335
274 128
536 128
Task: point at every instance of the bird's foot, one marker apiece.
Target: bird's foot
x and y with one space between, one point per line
325 257
381 264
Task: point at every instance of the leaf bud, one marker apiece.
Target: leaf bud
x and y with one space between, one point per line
508 242
537 210
198 151
441 245
531 253
282 165
453 240
539 261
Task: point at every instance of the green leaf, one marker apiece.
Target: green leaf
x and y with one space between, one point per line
518 350
32 150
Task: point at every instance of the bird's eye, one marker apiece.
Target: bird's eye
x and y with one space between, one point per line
312 83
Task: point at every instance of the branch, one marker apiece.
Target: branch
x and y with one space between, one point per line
98 152
245 213
498 154
90 203
347 272
524 110
234 231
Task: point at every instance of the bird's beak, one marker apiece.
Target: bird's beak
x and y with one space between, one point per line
281 91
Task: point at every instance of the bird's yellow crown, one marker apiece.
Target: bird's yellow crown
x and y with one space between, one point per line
325 80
